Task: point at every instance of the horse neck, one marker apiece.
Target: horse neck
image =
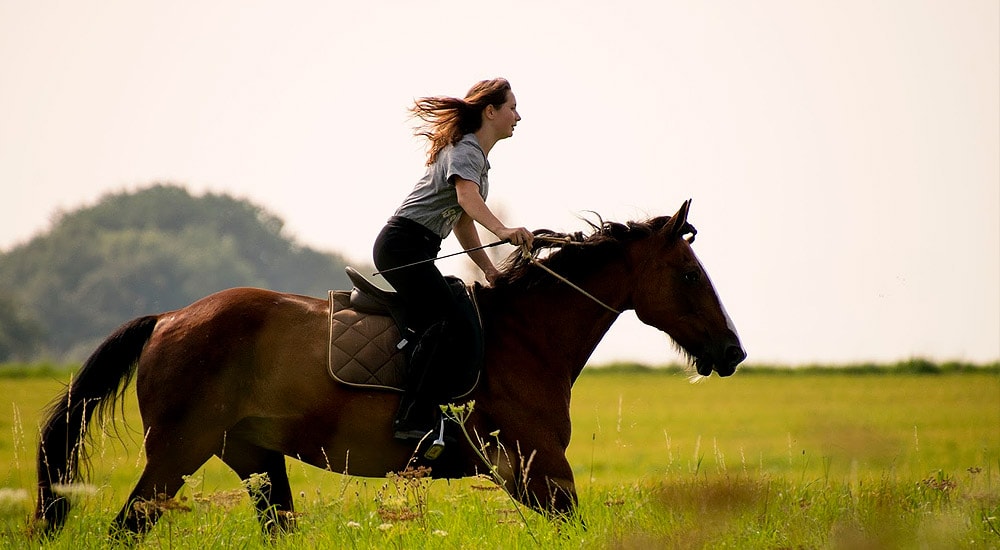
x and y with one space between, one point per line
559 325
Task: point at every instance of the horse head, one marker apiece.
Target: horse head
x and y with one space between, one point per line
672 292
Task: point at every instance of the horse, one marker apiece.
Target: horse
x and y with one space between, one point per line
242 375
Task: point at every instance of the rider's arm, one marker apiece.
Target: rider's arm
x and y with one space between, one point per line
475 207
468 237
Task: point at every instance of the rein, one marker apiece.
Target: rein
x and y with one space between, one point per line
531 258
528 255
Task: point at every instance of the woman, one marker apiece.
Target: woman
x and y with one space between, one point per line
451 196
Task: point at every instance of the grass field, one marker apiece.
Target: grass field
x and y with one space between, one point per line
758 460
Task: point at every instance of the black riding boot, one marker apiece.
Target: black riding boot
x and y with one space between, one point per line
418 413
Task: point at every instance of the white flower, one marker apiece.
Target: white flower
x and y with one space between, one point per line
74 489
256 483
13 496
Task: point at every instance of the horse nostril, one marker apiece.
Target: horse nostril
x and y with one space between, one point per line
735 354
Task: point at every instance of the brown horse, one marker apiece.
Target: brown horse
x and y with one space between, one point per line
242 375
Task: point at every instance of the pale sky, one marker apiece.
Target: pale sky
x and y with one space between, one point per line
843 157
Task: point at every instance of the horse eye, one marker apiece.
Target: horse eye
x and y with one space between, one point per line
692 276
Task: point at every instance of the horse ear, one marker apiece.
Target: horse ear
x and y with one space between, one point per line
674 229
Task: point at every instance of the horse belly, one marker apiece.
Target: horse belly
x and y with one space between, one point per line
344 443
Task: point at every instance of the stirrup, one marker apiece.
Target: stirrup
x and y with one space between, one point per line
437 446
410 435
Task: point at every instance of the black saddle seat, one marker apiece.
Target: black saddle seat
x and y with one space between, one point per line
368 298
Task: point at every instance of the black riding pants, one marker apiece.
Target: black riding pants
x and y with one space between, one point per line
423 289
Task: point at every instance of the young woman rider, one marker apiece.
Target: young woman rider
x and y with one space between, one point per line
450 197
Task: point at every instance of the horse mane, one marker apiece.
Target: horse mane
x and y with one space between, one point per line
575 255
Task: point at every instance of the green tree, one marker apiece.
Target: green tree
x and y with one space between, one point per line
146 252
20 336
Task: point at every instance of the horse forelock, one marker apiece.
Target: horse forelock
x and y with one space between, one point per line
574 255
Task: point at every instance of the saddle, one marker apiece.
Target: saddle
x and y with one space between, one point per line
370 344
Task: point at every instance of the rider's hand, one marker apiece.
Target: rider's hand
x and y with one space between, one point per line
517 236
491 275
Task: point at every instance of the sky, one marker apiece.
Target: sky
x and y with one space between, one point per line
843 157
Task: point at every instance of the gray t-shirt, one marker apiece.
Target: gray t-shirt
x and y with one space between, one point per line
434 202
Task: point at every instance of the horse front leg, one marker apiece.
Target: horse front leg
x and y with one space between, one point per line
540 478
554 496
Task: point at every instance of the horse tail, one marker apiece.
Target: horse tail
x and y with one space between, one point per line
99 384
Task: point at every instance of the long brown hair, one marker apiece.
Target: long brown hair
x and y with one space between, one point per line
444 120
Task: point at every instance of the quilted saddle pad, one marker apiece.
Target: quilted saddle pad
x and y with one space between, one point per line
363 350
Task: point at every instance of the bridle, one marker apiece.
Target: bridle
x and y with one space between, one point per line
532 257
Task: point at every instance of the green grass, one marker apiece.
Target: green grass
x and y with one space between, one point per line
817 459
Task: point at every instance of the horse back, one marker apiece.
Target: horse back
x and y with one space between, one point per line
237 343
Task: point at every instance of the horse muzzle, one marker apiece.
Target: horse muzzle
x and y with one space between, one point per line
724 363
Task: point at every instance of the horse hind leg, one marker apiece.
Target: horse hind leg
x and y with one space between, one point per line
172 452
264 476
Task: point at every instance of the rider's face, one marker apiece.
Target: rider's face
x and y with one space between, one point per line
506 117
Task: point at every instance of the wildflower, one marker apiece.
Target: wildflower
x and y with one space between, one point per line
439 533
459 410
256 483
353 524
396 502
385 526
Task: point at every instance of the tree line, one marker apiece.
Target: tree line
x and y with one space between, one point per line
136 253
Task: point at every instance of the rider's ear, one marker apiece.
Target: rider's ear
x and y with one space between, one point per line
675 228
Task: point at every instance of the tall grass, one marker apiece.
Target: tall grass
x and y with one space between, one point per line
816 460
